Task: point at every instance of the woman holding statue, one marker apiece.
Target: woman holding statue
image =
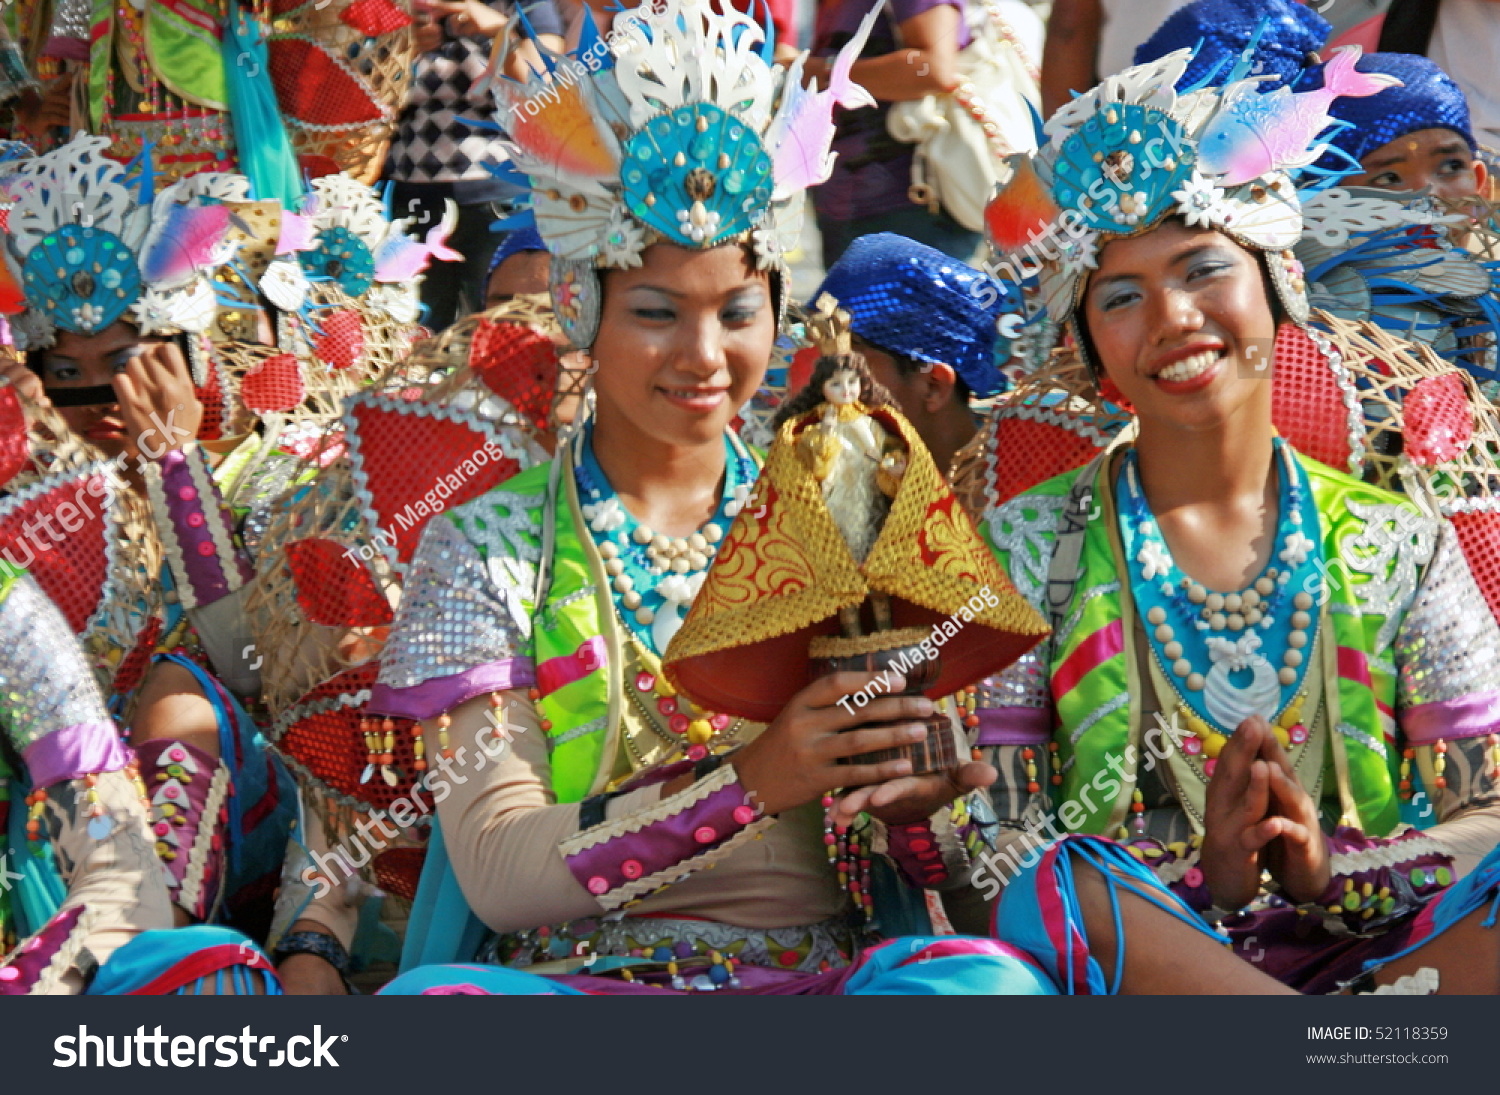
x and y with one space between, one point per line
666 847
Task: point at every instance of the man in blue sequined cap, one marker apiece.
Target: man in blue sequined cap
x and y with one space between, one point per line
927 326
1221 30
1410 137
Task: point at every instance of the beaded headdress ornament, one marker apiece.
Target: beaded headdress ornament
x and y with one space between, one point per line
1280 36
678 128
1134 151
91 245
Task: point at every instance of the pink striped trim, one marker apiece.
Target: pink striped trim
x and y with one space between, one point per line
555 673
1353 666
1055 918
1093 652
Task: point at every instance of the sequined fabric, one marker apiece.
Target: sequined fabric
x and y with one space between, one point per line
1023 683
1448 647
912 300
1427 99
457 611
44 683
1222 29
70 19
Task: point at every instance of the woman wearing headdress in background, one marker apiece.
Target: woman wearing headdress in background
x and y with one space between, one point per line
1389 256
117 296
1255 657
566 758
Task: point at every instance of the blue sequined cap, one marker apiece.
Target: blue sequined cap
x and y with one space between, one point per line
1427 99
913 300
522 239
1226 27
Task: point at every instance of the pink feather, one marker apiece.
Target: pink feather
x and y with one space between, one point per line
437 245
185 244
297 233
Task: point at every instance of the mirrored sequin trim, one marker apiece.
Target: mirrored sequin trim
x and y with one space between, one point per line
1448 646
593 726
1023 683
45 684
1026 528
1104 710
1060 641
1369 741
452 616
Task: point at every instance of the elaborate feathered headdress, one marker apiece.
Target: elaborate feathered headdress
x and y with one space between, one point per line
1134 151
91 244
678 128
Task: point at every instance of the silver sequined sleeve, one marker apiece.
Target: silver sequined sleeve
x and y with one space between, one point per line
455 615
45 684
1447 652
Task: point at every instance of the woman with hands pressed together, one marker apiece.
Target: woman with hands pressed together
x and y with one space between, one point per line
1255 658
593 825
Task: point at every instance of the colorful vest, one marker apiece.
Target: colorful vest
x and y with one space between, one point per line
576 641
1374 545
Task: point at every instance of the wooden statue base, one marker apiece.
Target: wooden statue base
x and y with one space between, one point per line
880 651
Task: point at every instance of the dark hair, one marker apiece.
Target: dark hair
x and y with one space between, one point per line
909 366
871 393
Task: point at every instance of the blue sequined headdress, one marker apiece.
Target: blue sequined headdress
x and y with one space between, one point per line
913 300
1427 98
678 129
91 243
1221 30
522 239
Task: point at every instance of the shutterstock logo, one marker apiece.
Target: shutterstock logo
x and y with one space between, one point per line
229 1050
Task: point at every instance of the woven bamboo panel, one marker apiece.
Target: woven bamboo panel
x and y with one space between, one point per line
341 88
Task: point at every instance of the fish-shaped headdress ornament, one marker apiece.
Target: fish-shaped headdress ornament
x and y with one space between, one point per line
90 242
1134 151
677 129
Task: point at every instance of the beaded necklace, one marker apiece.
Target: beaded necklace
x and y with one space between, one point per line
653 580
1229 656
654 577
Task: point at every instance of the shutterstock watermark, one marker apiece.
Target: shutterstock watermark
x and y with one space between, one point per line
1039 832
924 651
490 744
144 1050
71 516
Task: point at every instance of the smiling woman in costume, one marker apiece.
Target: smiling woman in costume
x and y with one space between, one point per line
534 618
1212 704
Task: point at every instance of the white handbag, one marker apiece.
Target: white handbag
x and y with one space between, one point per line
963 137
